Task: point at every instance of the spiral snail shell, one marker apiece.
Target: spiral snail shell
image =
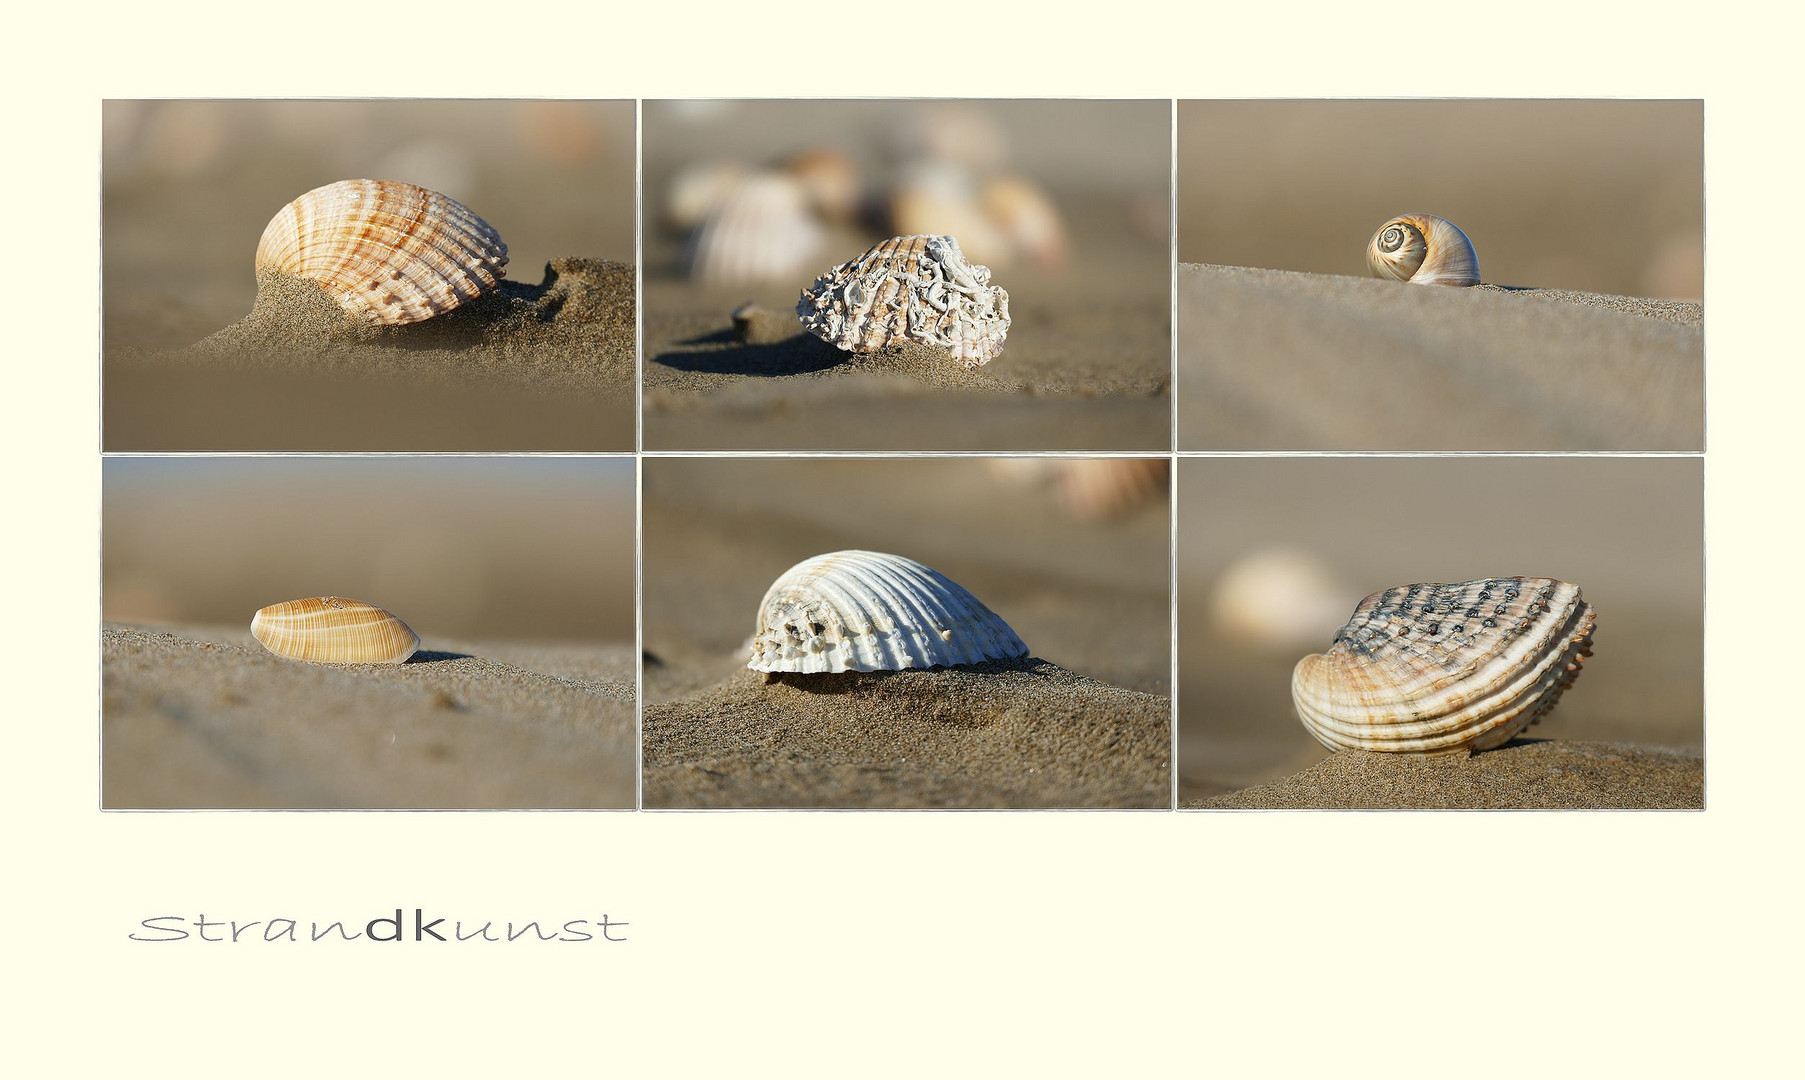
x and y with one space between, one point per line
1437 669
1423 250
389 253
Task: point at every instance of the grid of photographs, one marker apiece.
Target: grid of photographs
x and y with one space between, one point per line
859 455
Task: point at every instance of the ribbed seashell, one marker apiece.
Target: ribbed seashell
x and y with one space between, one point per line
909 288
389 253
1098 488
1028 217
1435 669
1423 250
761 231
333 630
864 611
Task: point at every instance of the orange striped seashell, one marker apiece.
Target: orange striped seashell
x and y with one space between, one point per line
389 253
1438 669
333 630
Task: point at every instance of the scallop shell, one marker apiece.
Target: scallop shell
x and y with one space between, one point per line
864 611
1434 669
1423 250
909 288
760 231
389 253
333 630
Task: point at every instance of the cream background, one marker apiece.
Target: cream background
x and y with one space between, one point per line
884 944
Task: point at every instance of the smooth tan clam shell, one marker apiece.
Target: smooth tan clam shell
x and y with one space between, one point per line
909 288
333 630
1424 250
390 253
867 611
1435 669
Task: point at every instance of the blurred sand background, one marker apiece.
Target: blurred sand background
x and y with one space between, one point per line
1581 203
1274 554
1087 361
188 187
1086 721
516 573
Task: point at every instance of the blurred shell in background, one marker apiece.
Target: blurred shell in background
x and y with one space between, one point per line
1277 599
1098 488
761 231
831 181
956 132
389 253
1028 218
696 190
867 611
1435 669
937 198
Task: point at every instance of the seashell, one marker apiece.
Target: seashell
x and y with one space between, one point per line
830 180
938 198
697 190
1027 215
389 253
909 288
761 231
1423 250
1276 599
333 630
864 611
1436 669
1098 488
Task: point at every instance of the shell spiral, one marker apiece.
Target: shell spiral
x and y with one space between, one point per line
909 288
1424 250
389 253
1432 669
865 611
333 630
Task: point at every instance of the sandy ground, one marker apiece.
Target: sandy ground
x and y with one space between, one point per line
547 364
204 717
1087 363
1085 722
1281 360
1628 531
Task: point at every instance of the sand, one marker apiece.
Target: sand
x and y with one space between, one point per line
1532 774
1013 733
1282 360
528 367
204 717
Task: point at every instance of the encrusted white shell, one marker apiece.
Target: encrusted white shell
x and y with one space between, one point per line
1434 669
1423 250
909 288
864 611
760 231
333 630
389 253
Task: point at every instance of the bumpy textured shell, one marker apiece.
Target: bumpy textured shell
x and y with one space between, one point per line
389 253
760 231
909 288
333 630
1423 250
863 611
1431 669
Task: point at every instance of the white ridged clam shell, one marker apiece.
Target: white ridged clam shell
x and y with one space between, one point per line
389 253
761 231
909 288
865 611
1423 250
333 630
1434 669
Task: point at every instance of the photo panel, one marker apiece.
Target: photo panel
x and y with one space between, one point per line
907 275
368 275
907 633
368 633
1565 593
1441 275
